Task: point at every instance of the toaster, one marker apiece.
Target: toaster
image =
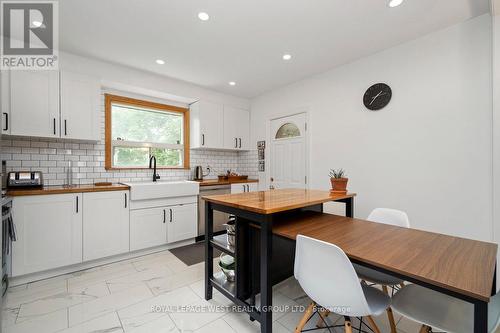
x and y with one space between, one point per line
18 179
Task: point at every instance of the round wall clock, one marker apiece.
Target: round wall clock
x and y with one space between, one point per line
377 96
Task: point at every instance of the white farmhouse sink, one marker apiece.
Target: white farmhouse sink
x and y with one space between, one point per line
162 189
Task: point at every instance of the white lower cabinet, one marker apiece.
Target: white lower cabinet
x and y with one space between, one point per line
105 224
244 187
49 232
161 225
182 222
148 228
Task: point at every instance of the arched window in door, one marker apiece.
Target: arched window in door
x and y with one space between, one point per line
287 130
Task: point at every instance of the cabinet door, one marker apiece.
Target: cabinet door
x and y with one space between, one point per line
148 228
5 101
181 222
49 232
105 224
253 187
238 188
236 128
34 101
80 115
206 125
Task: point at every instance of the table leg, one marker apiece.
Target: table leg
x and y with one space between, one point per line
480 317
349 207
266 288
494 285
209 251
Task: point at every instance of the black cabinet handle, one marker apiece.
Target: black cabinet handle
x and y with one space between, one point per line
125 200
240 142
65 127
235 142
203 139
170 214
77 204
164 216
54 126
6 128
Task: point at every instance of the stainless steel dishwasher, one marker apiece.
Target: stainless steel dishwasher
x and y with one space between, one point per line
219 217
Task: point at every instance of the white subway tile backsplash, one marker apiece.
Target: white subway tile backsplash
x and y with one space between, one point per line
52 155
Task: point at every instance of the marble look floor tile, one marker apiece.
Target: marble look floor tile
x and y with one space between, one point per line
219 326
132 280
49 323
291 289
9 316
50 304
95 290
101 306
151 309
55 282
101 274
196 316
217 297
20 287
290 321
241 323
109 323
161 325
181 279
18 297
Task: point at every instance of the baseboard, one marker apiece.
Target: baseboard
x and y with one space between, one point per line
23 279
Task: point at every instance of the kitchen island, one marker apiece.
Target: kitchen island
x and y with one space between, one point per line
253 251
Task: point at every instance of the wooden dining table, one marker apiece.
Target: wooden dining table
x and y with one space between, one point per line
268 223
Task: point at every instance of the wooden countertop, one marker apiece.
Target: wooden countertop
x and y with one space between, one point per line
62 190
209 182
458 264
273 201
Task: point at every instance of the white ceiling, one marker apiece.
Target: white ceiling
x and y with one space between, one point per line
244 40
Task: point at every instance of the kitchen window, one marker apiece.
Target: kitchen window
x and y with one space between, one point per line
137 129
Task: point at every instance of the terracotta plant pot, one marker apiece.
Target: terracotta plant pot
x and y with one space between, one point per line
339 185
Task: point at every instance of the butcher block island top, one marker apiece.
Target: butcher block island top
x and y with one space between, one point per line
65 189
274 201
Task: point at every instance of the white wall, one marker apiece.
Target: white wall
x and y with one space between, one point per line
428 152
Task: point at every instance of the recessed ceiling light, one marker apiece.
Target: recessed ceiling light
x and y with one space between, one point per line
395 3
203 16
36 24
287 56
232 83
160 62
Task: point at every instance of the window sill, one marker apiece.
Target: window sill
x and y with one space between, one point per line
145 168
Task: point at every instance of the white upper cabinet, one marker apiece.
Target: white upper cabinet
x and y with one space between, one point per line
206 120
105 224
80 96
236 128
51 104
34 103
216 126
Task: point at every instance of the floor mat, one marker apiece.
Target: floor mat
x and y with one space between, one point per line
192 254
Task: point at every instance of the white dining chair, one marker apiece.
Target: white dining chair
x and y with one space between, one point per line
442 312
391 217
327 276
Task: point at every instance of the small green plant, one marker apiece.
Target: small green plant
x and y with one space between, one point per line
340 173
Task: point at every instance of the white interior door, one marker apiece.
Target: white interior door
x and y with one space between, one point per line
288 152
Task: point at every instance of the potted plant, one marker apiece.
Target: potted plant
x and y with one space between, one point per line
339 181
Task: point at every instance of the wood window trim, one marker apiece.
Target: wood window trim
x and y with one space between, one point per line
110 99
